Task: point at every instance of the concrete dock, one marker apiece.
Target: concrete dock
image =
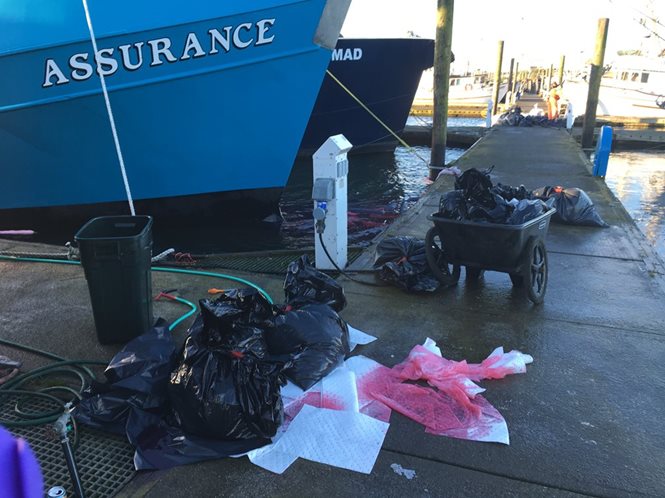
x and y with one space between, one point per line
586 418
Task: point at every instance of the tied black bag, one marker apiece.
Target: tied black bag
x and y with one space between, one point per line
226 386
304 284
402 262
573 206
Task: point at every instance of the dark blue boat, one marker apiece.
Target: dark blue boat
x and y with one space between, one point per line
384 75
210 101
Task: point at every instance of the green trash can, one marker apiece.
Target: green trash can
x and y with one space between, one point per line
115 254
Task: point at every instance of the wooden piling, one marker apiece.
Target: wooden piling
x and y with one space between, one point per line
497 78
442 51
562 64
594 83
515 81
509 89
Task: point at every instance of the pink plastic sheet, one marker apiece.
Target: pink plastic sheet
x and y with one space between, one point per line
17 232
452 406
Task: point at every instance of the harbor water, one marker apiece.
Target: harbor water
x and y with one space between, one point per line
638 181
382 185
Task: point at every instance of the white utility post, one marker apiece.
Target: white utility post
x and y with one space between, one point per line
488 118
331 169
570 117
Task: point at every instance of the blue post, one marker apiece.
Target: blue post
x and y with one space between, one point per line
603 149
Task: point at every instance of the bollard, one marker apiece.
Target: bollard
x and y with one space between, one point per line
570 117
329 193
603 149
488 118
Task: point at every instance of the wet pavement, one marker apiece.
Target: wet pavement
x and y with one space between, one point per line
586 418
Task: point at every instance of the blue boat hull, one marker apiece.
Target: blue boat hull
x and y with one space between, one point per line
384 74
204 116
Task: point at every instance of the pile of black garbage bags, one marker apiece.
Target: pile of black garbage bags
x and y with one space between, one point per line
219 394
477 199
514 117
401 261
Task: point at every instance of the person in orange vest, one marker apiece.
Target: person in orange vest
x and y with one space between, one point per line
553 102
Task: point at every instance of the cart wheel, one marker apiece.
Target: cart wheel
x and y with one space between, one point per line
446 273
516 279
473 272
535 270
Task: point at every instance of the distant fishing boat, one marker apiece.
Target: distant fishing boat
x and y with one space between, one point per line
471 89
384 74
464 90
634 86
210 101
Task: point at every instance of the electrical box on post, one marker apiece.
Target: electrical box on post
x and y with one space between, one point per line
329 193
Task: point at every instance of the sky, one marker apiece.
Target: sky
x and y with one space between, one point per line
534 32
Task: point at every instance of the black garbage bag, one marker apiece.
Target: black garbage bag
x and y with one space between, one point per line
526 210
573 206
136 378
105 408
530 120
315 340
509 193
136 401
496 211
160 444
402 262
235 307
226 386
511 118
304 284
144 365
476 185
452 205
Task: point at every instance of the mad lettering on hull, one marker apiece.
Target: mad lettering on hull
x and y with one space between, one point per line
158 51
349 54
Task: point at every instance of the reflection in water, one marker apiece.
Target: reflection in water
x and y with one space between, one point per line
381 186
638 180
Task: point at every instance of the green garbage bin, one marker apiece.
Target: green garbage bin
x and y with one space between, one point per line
115 254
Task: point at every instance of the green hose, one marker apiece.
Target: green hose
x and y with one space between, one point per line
154 268
184 317
218 275
75 368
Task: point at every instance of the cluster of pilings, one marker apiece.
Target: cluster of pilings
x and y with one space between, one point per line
533 79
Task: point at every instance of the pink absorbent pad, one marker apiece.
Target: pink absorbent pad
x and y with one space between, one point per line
452 406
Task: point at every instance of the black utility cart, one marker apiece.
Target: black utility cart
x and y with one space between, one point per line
518 250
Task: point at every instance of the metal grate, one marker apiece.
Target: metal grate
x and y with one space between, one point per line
262 262
104 461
